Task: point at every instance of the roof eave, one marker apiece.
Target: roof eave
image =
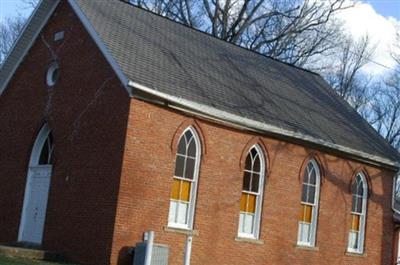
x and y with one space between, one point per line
209 112
173 101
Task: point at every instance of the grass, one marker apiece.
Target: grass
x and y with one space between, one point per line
5 260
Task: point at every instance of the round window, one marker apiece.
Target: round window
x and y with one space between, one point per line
53 74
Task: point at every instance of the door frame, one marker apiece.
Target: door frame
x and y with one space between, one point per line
33 161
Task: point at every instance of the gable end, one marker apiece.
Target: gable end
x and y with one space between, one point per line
30 32
24 42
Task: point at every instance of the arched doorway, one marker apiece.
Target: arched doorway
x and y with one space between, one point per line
37 189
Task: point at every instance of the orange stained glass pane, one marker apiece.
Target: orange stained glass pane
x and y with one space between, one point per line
248 203
181 190
355 222
176 188
243 202
305 213
185 191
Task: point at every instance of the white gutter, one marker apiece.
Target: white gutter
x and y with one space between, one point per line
191 106
216 114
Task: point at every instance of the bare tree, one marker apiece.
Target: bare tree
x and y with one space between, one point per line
30 3
295 31
10 28
386 110
345 75
385 115
290 30
396 52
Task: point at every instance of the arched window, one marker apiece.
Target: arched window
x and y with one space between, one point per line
47 150
359 193
252 193
184 187
309 205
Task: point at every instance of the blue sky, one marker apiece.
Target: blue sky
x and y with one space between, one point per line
9 8
383 7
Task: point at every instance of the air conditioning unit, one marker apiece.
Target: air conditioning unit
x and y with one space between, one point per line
159 254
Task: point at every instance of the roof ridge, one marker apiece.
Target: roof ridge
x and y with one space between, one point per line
215 37
345 103
271 92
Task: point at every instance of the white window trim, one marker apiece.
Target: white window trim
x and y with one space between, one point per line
260 193
314 215
50 74
194 181
360 243
396 193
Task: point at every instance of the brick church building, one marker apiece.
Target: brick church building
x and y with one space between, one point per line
116 121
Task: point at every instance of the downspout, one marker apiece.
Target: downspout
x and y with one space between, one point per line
149 247
188 250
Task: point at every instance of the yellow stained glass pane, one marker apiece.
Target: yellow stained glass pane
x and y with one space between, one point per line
306 213
176 188
251 207
181 190
355 222
185 191
243 202
248 203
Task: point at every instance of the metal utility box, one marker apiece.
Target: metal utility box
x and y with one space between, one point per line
159 255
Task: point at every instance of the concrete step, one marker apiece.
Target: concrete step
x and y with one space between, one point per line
30 253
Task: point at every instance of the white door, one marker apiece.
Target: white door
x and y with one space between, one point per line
37 189
36 204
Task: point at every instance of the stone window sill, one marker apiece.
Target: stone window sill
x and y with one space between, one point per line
304 247
181 231
249 240
355 254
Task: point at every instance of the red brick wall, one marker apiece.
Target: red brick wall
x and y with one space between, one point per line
94 214
143 202
87 111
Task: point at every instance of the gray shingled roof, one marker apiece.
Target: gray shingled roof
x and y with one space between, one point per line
174 59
